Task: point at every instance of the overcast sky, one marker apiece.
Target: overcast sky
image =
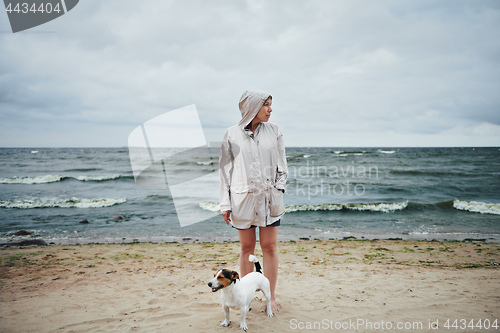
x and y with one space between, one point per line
341 73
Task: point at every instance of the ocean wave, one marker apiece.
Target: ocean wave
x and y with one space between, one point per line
205 163
413 172
211 206
342 153
408 172
471 206
379 207
303 208
298 157
62 203
353 152
32 180
374 207
52 179
96 178
477 207
386 151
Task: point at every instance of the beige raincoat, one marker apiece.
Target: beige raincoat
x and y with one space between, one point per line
253 168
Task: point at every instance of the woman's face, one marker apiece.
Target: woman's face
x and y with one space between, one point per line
264 112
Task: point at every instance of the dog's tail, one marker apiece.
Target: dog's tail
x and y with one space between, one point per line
253 259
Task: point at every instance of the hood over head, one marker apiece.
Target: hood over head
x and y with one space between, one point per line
250 103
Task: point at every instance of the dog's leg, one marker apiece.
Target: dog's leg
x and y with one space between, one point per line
226 313
267 293
243 318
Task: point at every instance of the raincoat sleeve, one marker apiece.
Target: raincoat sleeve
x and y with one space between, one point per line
225 169
282 170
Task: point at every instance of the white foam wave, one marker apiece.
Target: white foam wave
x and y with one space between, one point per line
386 151
206 163
374 207
62 203
307 156
96 178
379 207
302 208
215 207
32 180
52 178
211 206
477 207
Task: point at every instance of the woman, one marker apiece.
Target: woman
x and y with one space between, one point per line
253 174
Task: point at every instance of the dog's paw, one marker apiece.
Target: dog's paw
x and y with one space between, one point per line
244 326
269 311
225 323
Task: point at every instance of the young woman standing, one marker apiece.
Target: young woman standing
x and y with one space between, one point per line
253 173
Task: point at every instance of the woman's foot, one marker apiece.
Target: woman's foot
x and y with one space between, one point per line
275 306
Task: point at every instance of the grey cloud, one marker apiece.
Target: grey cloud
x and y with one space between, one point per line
353 66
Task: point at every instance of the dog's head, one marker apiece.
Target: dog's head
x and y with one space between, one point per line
222 279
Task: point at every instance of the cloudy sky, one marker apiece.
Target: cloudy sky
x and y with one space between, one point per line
342 73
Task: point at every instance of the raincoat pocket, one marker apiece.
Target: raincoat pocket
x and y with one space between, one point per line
242 206
276 204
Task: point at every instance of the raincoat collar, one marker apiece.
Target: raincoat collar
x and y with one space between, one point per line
250 103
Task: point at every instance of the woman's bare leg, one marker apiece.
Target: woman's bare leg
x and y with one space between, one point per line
247 241
268 237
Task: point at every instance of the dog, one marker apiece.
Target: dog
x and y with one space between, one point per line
238 293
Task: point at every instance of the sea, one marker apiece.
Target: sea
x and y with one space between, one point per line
90 195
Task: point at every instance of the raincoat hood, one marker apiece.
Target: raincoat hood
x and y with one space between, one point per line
250 103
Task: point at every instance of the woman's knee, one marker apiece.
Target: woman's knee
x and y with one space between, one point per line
268 239
248 248
269 247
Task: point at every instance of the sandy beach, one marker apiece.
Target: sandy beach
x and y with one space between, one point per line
336 285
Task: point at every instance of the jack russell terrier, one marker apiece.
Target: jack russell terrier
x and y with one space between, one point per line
238 293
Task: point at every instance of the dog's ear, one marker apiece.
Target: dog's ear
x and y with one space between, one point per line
235 275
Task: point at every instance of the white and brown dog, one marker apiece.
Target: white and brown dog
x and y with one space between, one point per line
238 293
